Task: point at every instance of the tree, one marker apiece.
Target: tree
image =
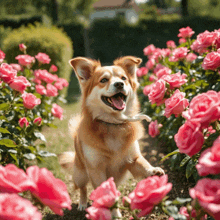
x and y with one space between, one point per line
184 8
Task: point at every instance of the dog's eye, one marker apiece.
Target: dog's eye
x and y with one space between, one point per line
104 80
123 78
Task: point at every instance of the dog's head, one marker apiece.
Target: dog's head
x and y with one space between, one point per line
108 90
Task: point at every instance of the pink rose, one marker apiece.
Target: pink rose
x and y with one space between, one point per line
189 138
53 68
163 71
207 193
45 76
142 71
149 50
182 40
171 44
158 67
211 61
150 64
204 108
7 73
61 82
153 128
105 195
43 58
175 104
180 53
22 47
148 193
98 213
209 161
152 78
157 55
14 180
175 80
36 80
16 66
14 207
51 90
23 122
30 100
25 60
19 84
37 121
2 56
185 32
41 89
57 111
147 89
49 190
191 57
157 92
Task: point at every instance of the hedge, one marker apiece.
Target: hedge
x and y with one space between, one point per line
52 41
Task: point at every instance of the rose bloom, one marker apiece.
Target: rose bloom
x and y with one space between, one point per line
19 84
165 52
142 71
49 190
51 90
14 180
157 55
171 44
16 66
57 111
157 92
7 73
147 89
105 195
153 128
14 207
211 61
175 80
148 193
149 50
207 193
189 138
2 56
158 67
186 32
182 40
25 60
163 71
30 100
22 47
23 122
36 80
150 64
209 161
41 89
60 83
204 108
180 53
152 78
98 213
176 104
43 58
53 68
38 121
45 76
191 57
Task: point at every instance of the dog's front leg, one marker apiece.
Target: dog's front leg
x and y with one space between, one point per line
140 167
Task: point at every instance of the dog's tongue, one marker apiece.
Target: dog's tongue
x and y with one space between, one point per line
118 102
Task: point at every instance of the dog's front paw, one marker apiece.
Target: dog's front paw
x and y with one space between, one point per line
155 171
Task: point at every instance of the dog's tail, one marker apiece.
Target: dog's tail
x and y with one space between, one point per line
66 159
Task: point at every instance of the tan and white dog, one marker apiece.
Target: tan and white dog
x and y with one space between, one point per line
107 131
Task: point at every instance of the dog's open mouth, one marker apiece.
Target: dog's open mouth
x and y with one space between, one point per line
117 101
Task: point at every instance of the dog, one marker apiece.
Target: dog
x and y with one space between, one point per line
106 133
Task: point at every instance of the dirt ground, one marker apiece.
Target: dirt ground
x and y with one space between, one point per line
153 152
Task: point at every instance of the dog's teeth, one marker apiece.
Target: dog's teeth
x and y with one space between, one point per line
109 100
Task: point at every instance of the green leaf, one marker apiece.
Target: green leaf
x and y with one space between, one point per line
4 131
4 106
7 143
185 160
30 156
179 201
46 154
190 168
170 154
52 125
40 136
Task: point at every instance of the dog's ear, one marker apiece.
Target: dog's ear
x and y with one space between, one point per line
129 64
83 67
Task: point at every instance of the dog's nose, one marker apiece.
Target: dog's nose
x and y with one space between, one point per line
119 85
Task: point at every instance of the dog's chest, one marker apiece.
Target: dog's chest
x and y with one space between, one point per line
114 143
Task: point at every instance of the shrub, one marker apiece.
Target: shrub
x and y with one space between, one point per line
52 41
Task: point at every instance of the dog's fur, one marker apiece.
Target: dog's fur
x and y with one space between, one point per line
106 137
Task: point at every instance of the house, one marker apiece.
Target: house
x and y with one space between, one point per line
113 8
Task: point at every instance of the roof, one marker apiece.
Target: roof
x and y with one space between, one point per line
113 4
